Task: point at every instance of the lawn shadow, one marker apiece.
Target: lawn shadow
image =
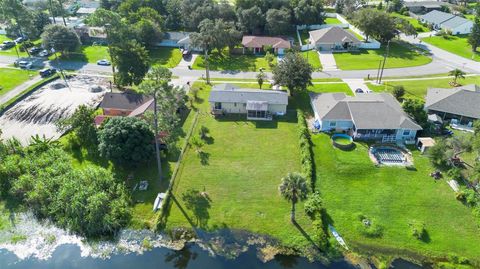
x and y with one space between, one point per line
273 124
302 231
199 203
286 261
184 213
204 158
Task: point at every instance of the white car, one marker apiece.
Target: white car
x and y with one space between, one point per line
103 62
25 64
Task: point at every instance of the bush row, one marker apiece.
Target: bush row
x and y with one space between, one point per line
306 153
314 209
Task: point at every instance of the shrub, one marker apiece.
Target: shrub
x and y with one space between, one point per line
369 226
417 229
398 92
306 154
471 197
313 205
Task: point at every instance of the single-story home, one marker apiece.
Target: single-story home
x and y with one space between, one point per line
177 40
256 104
85 11
125 104
461 104
372 116
334 38
258 43
447 22
423 7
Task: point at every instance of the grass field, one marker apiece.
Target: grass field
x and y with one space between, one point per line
167 57
89 54
399 55
418 88
392 197
11 51
454 44
418 26
10 78
332 21
313 59
243 164
225 61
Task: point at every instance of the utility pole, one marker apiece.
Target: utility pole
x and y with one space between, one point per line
206 66
107 27
157 147
378 71
384 60
51 11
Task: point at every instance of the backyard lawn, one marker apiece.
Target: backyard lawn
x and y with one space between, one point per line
454 44
226 61
302 99
400 55
10 78
313 59
392 197
332 21
418 26
243 163
418 88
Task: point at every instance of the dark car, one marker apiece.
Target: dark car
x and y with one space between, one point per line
186 53
7 44
47 72
35 50
20 40
359 90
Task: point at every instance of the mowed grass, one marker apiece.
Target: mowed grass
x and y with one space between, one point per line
11 51
454 44
88 54
313 59
167 57
302 100
418 88
11 78
226 61
243 167
350 184
400 55
416 24
332 21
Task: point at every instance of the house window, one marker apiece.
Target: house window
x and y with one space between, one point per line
333 124
218 105
406 132
235 104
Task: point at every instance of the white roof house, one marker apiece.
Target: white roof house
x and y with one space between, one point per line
448 22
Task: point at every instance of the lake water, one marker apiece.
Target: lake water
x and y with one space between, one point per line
68 256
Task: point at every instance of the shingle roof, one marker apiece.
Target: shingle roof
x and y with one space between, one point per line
455 22
125 101
333 34
250 41
227 93
366 111
176 36
464 101
437 17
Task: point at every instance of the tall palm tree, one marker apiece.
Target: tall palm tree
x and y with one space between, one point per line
293 188
456 73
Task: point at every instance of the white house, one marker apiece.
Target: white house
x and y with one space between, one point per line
448 22
372 116
256 104
334 38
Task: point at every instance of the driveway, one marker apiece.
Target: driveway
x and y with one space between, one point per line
328 61
355 84
184 63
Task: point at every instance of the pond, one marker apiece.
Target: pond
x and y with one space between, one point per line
192 256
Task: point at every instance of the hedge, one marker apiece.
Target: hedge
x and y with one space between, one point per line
306 153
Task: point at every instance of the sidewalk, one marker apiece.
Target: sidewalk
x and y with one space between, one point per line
19 89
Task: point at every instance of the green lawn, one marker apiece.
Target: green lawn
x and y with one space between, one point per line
454 44
167 57
418 88
313 59
418 26
89 54
304 35
400 55
302 100
332 21
356 34
10 78
11 51
350 184
226 61
244 162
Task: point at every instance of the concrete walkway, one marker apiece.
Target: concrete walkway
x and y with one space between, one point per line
355 84
185 63
19 89
328 61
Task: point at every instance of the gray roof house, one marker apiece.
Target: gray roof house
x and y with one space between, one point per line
256 104
177 40
372 116
461 104
423 7
448 22
333 38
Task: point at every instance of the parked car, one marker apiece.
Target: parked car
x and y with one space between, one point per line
186 53
47 72
35 50
103 62
20 40
359 90
44 53
7 44
24 64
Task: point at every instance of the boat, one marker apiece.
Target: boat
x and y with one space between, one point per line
337 237
159 200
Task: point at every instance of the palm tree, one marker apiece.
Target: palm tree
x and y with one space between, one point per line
293 188
456 73
261 77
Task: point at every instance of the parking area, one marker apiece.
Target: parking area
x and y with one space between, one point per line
37 114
